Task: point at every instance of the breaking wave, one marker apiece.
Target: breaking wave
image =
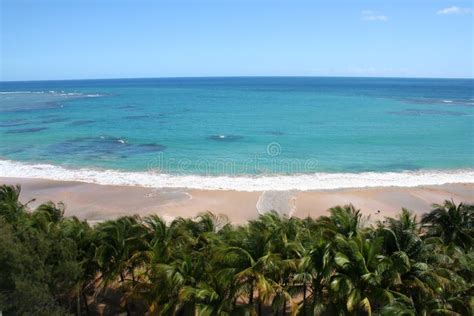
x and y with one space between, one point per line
55 93
303 182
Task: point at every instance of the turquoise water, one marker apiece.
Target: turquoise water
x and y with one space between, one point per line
240 126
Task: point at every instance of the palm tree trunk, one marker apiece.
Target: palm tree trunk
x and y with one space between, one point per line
84 298
189 309
122 279
315 290
251 296
82 292
304 299
259 305
78 304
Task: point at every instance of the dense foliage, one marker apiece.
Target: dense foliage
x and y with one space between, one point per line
333 265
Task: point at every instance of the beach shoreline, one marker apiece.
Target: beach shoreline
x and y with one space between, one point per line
151 178
96 202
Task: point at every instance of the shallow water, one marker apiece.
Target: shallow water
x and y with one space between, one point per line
241 126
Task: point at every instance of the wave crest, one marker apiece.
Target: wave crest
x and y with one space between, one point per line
302 182
55 93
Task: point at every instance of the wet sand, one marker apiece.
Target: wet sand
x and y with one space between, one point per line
100 202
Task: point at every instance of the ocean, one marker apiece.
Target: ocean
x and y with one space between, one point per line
243 133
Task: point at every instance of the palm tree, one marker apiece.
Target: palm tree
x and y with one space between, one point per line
176 264
285 241
10 206
346 220
319 262
303 277
440 275
206 266
120 244
419 266
10 193
247 255
363 275
453 223
48 215
180 273
213 296
160 239
120 250
401 234
83 236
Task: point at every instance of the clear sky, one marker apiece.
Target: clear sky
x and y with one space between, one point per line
72 39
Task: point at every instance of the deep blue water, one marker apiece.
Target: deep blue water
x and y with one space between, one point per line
241 125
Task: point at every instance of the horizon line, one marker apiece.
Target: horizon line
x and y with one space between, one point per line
241 76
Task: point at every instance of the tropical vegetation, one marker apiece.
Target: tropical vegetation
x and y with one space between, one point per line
339 264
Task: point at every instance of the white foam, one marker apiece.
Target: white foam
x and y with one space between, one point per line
20 92
447 101
303 182
56 93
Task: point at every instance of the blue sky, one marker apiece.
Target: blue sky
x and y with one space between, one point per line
71 39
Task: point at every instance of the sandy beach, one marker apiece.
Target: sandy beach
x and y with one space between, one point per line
100 202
